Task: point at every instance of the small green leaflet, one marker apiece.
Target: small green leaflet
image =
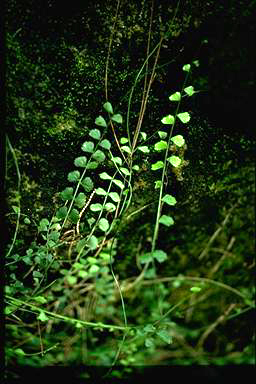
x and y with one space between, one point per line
157 165
184 117
42 317
100 192
88 146
158 184
169 199
124 140
93 242
105 176
126 149
145 257
80 200
178 140
160 145
61 212
118 183
168 119
110 207
80 161
72 280
108 107
117 118
164 335
92 165
175 96
195 289
174 160
105 144
144 135
95 133
67 194
100 121
114 196
166 220
96 207
117 160
162 134
99 156
149 342
189 90
94 269
144 149
104 224
73 176
186 67
125 171
160 255
87 183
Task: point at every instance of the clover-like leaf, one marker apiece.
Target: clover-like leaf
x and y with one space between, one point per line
124 140
158 184
73 176
168 119
169 199
100 192
126 149
195 289
157 165
80 200
74 215
117 160
93 242
80 161
175 96
186 67
96 207
114 196
95 133
160 145
88 146
100 121
105 144
92 165
162 134
164 335
174 160
125 171
117 118
178 140
43 317
160 255
146 257
105 176
118 183
104 224
166 220
99 156
67 194
189 90
110 207
62 212
144 149
144 135
87 183
184 117
108 107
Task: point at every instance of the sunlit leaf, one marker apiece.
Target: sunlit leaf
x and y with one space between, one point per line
117 118
178 140
73 176
88 146
96 207
189 90
157 165
100 191
160 145
144 149
168 119
95 133
99 156
100 121
184 117
169 199
80 161
105 176
174 160
166 220
108 107
186 67
104 224
105 144
175 96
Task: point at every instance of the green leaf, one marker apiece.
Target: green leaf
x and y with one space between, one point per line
95 133
124 140
117 160
114 196
149 342
186 67
144 149
16 209
117 118
126 149
175 96
80 200
104 224
42 317
100 191
158 184
144 135
174 160
162 134
169 199
189 90
195 289
82 274
72 280
27 220
80 161
96 207
118 183
125 171
99 156
93 242
157 165
149 328
74 215
19 351
136 168
62 212
100 121
184 117
92 260
87 183
166 220
73 176
178 140
165 336
160 145
168 119
43 225
146 257
92 165
40 299
105 144
110 207
94 269
108 107
105 176
88 146
160 255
